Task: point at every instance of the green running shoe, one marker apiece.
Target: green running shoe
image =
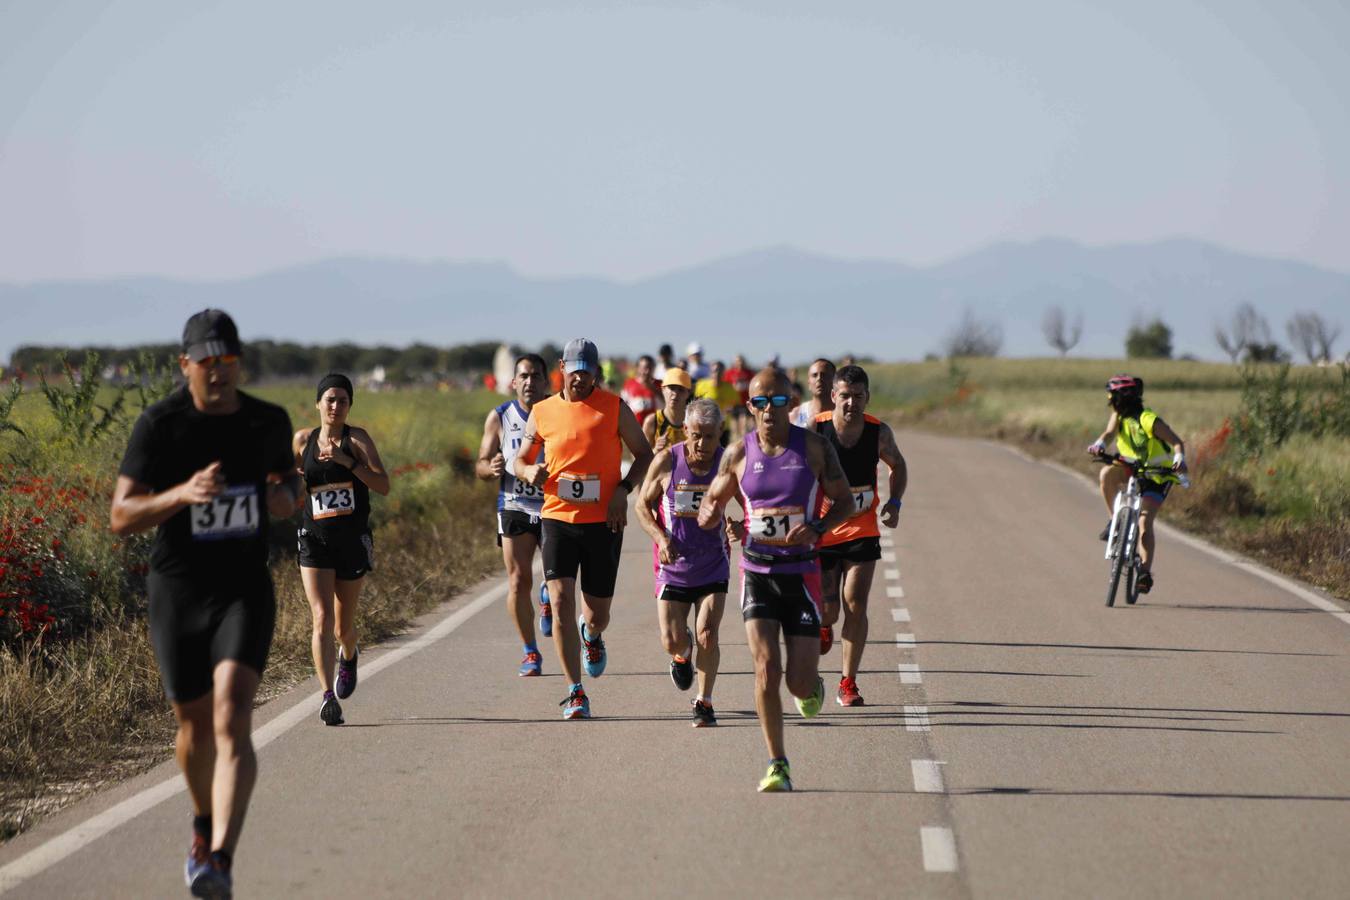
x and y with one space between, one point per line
810 707
778 778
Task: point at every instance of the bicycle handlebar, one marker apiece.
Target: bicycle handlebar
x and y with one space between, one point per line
1134 465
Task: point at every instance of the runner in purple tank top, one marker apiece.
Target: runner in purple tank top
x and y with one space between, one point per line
775 473
692 565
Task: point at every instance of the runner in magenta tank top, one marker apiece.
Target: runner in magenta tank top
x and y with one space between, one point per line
691 564
775 473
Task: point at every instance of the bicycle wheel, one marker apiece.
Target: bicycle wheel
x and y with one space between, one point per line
1118 555
1132 578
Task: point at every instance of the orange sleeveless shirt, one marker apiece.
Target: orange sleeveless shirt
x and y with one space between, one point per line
860 467
582 452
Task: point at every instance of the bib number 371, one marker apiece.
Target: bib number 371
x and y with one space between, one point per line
232 514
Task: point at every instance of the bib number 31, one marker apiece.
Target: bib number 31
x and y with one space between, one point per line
233 514
771 526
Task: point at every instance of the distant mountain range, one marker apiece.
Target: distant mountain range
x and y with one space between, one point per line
777 300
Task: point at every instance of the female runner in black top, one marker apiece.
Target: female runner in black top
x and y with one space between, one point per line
341 466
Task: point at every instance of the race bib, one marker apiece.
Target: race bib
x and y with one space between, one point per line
328 501
231 515
524 490
863 498
688 498
771 525
576 488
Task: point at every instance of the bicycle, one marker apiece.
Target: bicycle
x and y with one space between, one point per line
1122 541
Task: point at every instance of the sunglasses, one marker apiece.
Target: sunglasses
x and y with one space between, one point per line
208 362
763 402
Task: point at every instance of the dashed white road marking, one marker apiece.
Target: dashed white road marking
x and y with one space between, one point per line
892 574
927 776
899 614
895 592
939 849
904 641
888 556
910 674
916 719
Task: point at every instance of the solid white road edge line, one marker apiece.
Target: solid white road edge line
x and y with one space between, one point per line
58 848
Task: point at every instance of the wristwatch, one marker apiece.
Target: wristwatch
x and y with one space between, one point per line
818 526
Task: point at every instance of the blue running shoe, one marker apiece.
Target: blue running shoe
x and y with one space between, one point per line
203 877
576 706
594 651
545 612
532 664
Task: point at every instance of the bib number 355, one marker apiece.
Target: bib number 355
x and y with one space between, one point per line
232 514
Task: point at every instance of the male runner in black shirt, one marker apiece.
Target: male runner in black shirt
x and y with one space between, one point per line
206 466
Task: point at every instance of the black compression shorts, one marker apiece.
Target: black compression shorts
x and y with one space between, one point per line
791 600
858 550
351 556
195 625
592 547
676 594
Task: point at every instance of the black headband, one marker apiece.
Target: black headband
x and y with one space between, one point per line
334 380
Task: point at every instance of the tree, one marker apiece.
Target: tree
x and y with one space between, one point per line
1059 333
973 337
1313 335
1247 327
1149 340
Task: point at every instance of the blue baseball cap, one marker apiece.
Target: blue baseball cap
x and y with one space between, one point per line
581 354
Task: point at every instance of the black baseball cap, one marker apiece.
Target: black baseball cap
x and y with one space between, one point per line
211 332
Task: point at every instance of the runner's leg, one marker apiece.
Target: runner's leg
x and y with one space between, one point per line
320 588
195 749
831 584
236 768
762 635
803 665
518 554
709 656
347 594
857 584
566 640
674 627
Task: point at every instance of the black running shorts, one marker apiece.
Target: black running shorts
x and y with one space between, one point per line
592 547
194 625
676 594
791 600
514 523
859 550
351 556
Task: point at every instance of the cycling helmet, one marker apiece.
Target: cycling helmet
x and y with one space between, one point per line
1125 384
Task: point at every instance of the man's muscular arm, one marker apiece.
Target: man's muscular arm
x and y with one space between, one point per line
725 486
890 454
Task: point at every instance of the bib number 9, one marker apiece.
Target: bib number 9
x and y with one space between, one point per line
232 515
579 488
772 526
328 501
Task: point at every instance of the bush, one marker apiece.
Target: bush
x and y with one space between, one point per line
1149 340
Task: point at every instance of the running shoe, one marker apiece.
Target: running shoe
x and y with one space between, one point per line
593 650
703 714
203 877
848 693
330 711
532 664
810 707
545 612
778 778
826 638
346 675
1145 582
682 670
576 705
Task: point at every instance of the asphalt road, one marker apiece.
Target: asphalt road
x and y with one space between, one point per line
1019 740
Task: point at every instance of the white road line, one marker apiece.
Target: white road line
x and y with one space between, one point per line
916 719
939 849
904 641
888 556
58 848
927 776
910 674
895 592
892 574
899 614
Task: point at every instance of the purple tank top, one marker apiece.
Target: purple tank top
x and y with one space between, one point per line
704 555
778 493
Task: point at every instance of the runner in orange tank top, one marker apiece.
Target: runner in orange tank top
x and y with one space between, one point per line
582 432
849 552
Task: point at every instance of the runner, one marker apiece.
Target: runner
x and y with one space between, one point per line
519 504
775 472
640 391
1140 435
205 466
717 389
738 376
665 361
849 553
665 427
820 383
692 565
693 361
341 467
582 432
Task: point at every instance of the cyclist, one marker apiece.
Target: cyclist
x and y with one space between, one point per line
341 467
1141 436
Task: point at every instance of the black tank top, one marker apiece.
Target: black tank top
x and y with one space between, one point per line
860 460
337 502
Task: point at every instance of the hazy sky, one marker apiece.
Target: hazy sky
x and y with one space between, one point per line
218 139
